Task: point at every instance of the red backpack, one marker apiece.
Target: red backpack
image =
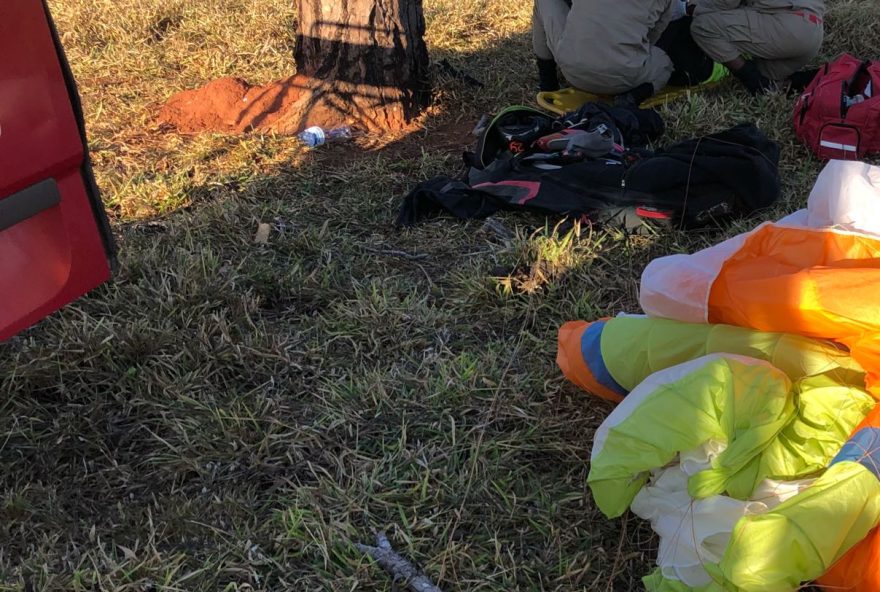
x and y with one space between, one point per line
838 115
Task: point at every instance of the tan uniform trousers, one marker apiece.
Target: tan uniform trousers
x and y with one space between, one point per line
604 47
780 42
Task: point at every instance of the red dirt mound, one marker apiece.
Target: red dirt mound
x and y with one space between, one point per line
231 105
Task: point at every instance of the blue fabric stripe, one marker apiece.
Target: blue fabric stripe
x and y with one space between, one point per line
863 447
591 350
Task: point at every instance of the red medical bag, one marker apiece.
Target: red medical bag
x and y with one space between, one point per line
838 115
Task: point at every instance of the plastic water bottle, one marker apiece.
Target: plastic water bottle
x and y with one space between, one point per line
316 136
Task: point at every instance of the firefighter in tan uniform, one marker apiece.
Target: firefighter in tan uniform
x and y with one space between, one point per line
605 47
780 36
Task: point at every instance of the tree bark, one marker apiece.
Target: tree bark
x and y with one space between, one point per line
369 54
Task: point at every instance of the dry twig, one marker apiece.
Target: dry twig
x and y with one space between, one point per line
399 567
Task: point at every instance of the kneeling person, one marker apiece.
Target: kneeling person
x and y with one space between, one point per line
604 47
781 36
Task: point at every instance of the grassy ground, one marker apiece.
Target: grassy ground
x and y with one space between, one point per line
232 416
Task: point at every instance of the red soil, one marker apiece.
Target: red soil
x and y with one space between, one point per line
231 105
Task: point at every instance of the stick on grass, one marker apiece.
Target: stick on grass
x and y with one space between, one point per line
399 567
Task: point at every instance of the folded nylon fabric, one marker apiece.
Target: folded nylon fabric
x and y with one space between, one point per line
696 532
763 374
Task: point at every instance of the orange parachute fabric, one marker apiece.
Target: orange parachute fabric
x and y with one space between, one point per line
573 363
816 283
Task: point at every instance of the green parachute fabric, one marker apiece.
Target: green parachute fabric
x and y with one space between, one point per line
801 538
601 356
746 404
664 343
769 428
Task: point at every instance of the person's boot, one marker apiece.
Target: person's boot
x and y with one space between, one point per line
802 79
636 96
548 78
755 82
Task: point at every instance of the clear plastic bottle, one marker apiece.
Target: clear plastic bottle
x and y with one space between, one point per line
316 136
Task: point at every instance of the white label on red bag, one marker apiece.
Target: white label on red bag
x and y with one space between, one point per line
837 146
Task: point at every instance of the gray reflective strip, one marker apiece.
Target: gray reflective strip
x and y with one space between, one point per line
27 203
838 146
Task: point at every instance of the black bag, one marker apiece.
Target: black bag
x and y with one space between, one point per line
593 164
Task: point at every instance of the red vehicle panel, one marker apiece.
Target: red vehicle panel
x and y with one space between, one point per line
54 240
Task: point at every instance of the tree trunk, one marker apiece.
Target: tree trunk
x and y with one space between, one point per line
370 55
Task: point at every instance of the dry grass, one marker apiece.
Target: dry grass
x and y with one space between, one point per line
231 416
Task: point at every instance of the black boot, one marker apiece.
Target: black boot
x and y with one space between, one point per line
548 79
635 97
802 79
755 82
